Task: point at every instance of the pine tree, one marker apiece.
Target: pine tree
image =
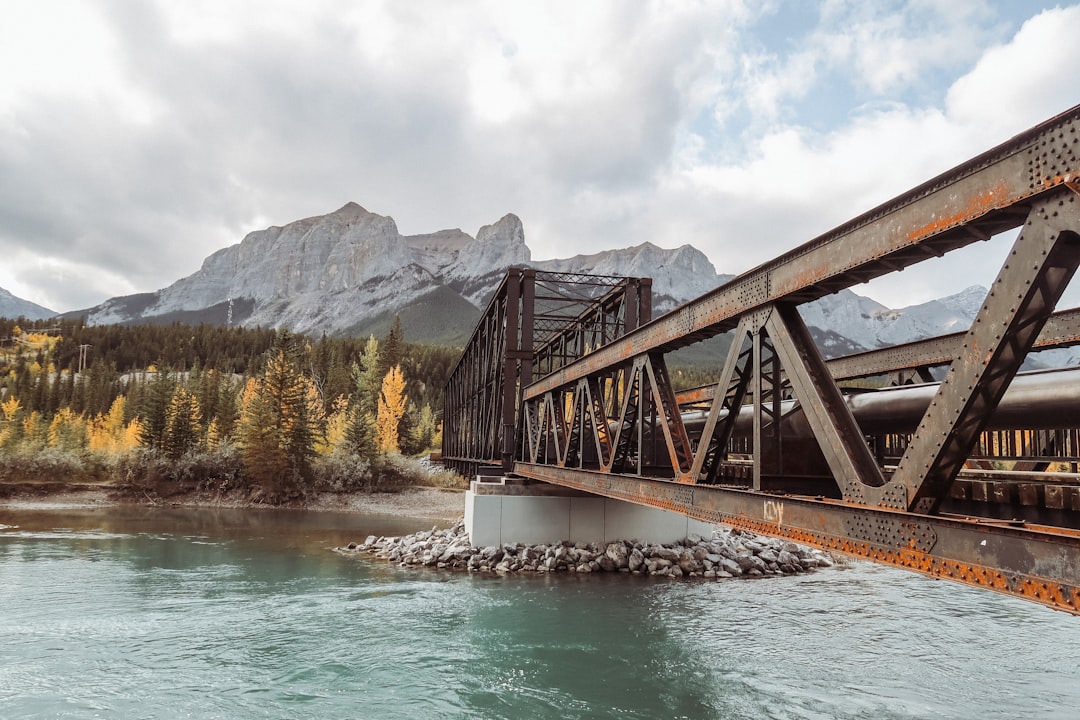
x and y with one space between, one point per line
366 383
154 411
183 419
280 419
367 376
425 428
392 348
261 448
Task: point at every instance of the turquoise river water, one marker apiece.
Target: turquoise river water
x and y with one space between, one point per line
186 613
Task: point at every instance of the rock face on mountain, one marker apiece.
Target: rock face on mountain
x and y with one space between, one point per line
869 324
15 307
332 272
351 272
678 275
323 273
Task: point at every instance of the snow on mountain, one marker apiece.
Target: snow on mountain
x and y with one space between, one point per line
871 325
336 272
15 307
678 275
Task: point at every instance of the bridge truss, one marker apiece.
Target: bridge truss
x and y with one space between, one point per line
777 446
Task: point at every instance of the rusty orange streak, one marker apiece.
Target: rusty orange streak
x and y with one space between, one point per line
978 206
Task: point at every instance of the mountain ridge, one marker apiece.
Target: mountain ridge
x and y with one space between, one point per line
12 306
350 271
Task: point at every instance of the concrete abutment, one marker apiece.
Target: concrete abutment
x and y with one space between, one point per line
500 511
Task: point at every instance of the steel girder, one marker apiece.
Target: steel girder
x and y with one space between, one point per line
914 360
1025 561
1062 329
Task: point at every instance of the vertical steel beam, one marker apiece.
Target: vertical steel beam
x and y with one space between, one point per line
508 378
758 389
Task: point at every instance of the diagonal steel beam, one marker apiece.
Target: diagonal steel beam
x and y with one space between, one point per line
731 389
1038 269
830 419
663 398
597 420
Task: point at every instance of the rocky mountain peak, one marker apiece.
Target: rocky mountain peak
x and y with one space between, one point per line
497 246
678 275
350 208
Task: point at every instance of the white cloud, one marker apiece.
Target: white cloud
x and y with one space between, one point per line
797 183
1022 82
171 129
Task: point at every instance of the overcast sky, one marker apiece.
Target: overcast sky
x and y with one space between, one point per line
138 137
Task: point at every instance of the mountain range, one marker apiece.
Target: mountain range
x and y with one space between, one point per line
350 272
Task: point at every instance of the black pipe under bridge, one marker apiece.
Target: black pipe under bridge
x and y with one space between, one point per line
973 478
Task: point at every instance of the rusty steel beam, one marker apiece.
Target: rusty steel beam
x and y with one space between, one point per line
982 197
1062 329
1026 561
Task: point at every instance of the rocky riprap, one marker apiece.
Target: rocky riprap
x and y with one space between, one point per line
728 553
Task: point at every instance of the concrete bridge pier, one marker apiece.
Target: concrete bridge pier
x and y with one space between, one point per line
501 510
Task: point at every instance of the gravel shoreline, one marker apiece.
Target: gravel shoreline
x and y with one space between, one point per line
421 502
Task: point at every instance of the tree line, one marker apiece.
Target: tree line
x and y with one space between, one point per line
265 408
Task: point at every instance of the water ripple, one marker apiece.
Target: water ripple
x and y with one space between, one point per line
195 625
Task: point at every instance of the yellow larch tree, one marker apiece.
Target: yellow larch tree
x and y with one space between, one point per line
392 401
67 430
337 424
11 422
109 434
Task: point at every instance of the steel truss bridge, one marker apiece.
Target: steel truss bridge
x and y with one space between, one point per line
973 478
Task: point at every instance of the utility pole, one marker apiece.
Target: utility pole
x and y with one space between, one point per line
82 357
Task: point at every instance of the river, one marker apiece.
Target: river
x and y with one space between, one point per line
195 613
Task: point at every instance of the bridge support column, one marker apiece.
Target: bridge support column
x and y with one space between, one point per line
501 511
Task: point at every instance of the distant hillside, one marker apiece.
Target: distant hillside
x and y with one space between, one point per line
442 317
15 307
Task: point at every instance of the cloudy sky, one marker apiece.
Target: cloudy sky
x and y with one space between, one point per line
137 137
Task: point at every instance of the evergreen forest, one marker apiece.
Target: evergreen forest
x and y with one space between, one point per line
268 414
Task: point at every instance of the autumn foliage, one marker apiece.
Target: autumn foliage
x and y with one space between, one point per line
301 415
